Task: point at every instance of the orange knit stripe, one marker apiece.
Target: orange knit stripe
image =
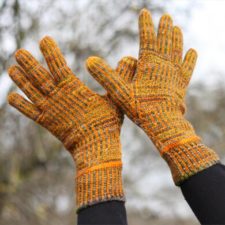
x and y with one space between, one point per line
99 167
181 142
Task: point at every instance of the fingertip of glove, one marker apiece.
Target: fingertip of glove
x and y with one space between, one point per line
166 17
12 97
177 30
192 55
193 51
92 61
144 11
20 53
46 40
129 60
11 70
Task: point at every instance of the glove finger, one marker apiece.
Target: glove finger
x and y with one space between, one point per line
109 79
126 68
19 77
177 46
36 73
189 64
164 37
146 31
55 60
24 106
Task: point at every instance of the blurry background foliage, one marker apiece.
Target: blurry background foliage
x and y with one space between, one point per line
36 173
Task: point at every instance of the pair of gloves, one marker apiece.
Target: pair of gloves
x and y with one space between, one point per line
150 91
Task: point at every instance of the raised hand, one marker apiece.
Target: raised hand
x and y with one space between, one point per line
154 98
87 123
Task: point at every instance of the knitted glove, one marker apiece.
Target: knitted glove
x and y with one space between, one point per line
154 99
86 123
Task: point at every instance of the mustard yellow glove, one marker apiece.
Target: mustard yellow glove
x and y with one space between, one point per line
86 123
154 99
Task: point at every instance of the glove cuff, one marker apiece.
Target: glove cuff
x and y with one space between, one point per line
188 158
99 183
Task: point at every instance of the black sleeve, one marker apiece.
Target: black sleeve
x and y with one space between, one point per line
105 213
205 193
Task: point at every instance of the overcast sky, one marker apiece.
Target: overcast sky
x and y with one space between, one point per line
205 32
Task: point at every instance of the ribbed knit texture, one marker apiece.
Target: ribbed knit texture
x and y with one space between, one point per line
154 98
87 123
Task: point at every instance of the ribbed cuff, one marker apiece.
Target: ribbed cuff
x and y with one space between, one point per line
99 184
188 159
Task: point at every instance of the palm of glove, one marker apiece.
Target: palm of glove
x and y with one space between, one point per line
154 87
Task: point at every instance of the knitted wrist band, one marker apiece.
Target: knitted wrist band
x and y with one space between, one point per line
99 184
187 159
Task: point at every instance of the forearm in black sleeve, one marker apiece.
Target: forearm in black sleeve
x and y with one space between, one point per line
105 213
205 193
